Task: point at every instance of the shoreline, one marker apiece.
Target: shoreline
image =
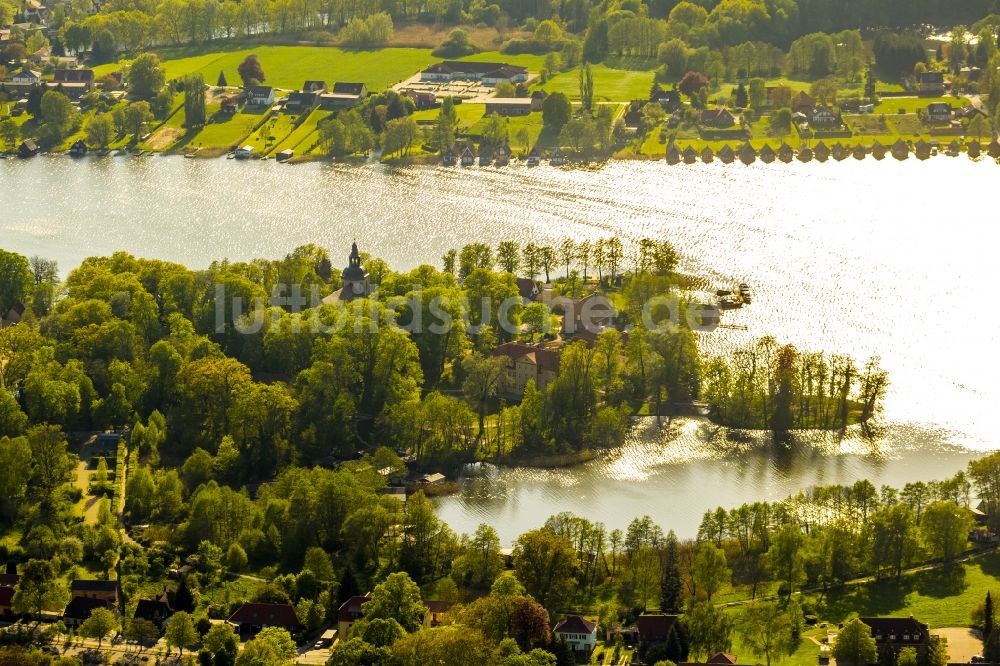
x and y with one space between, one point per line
738 154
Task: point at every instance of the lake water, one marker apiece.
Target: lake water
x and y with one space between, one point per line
896 259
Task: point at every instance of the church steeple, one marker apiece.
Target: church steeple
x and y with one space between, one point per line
355 258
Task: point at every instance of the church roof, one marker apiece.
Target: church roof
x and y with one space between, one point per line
354 272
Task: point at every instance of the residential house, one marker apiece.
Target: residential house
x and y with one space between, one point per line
488 73
824 117
930 83
421 99
302 101
591 313
670 99
528 289
898 632
157 610
105 590
349 613
579 634
938 112
26 77
523 363
250 618
344 95
437 611
314 86
229 105
431 479
84 76
80 608
509 106
260 95
655 628
718 118
803 103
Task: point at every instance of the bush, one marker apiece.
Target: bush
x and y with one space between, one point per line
457 44
517 46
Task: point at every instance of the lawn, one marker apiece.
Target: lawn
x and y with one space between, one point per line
616 80
289 66
940 598
468 115
911 104
224 132
302 138
278 126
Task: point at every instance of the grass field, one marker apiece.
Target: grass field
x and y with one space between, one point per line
224 132
302 138
620 79
289 66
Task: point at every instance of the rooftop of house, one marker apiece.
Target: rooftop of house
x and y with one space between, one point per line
939 107
272 615
74 76
350 610
509 101
574 624
80 608
721 658
6 596
931 77
260 91
655 627
94 586
545 359
348 88
480 68
151 609
896 626
8 579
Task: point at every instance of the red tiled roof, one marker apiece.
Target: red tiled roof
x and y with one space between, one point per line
272 615
574 624
545 359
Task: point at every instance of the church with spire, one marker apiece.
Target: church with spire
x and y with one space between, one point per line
354 280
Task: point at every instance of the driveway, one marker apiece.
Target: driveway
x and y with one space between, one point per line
963 643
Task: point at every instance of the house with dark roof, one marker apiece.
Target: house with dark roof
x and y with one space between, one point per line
28 148
591 313
314 86
655 628
26 77
421 99
669 99
105 590
938 112
157 610
349 613
250 618
930 83
579 634
718 118
487 73
80 608
509 106
522 363
302 101
84 76
803 103
528 289
898 632
824 116
344 95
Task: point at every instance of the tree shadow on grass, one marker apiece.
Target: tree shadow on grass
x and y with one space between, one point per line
633 63
882 598
990 564
942 583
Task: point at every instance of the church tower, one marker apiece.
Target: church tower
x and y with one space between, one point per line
354 278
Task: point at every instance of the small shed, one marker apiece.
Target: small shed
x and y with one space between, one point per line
28 148
245 152
285 155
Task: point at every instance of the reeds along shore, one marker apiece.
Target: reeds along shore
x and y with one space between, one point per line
822 152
